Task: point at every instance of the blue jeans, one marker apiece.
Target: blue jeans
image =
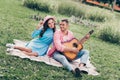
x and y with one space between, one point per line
83 55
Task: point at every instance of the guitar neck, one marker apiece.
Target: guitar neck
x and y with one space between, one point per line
86 37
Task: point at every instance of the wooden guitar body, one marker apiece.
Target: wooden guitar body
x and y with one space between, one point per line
77 44
72 43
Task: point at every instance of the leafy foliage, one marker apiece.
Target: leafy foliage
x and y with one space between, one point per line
37 5
108 34
69 8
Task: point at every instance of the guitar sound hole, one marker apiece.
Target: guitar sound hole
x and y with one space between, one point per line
75 45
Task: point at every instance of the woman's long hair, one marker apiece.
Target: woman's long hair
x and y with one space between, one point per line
45 27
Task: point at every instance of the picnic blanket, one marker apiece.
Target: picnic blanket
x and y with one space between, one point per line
48 60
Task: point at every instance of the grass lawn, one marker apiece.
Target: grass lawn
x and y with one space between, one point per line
15 23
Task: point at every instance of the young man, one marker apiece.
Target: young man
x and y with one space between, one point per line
60 36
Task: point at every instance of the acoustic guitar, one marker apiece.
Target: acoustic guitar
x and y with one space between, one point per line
77 44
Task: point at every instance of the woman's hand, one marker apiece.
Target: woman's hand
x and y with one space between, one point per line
39 25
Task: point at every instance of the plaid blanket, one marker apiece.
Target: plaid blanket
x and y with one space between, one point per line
48 60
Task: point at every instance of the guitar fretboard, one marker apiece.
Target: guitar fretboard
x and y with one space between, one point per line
86 37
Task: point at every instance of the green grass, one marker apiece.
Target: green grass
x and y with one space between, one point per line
83 13
15 23
70 8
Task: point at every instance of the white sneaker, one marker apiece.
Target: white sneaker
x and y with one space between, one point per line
9 50
10 45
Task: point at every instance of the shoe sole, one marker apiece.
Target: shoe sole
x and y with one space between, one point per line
77 73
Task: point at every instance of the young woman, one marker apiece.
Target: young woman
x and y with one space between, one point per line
43 37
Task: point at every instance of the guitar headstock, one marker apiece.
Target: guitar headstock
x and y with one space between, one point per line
90 32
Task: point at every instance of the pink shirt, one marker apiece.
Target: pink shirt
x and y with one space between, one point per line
59 38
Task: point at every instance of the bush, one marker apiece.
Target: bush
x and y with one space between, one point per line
108 34
70 8
97 17
66 9
37 5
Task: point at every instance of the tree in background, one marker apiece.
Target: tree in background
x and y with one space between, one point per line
114 3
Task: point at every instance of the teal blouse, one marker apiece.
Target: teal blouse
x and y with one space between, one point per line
41 44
